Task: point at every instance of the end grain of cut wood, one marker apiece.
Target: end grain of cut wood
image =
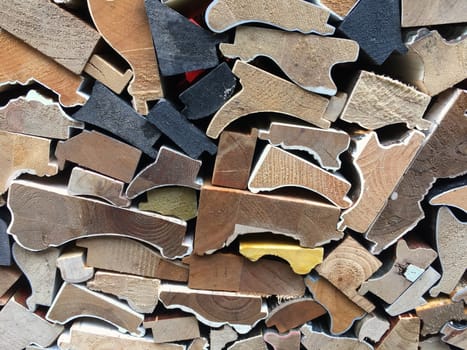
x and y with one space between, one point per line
339 7
277 168
437 312
223 15
289 341
218 338
253 343
124 25
177 201
108 74
265 92
418 13
455 197
309 60
372 327
167 329
454 335
404 335
10 275
313 340
73 268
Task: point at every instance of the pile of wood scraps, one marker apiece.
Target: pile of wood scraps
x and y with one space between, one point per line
233 174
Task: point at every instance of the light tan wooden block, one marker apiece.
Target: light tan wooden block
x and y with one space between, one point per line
107 253
456 197
393 283
418 13
277 168
20 327
37 115
339 7
309 60
347 267
74 301
301 260
109 75
325 145
342 311
265 92
377 101
31 65
21 154
171 168
93 335
451 243
289 341
41 272
167 329
314 340
199 344
380 169
177 201
372 326
88 183
253 343
222 15
218 338
125 27
141 293
404 335
61 36
73 268
241 311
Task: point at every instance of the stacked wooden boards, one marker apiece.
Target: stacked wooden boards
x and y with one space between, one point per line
233 174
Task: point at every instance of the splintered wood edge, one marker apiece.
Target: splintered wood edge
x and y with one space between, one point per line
139 331
239 328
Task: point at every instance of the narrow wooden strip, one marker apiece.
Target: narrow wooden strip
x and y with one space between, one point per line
265 92
234 159
106 253
443 155
380 169
88 183
325 145
180 202
41 272
101 153
102 70
301 260
403 335
5 246
61 36
313 340
289 341
225 213
92 335
73 301
393 283
451 243
456 197
377 101
309 60
73 268
23 154
277 168
30 64
347 267
293 313
170 168
222 15
37 115
125 26
141 293
109 112
342 312
208 94
436 312
382 33
167 329
413 296
20 327
418 13
215 309
183 133
85 218
229 272
219 338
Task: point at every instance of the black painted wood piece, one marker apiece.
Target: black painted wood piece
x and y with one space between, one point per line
208 94
181 46
176 127
108 111
376 26
5 248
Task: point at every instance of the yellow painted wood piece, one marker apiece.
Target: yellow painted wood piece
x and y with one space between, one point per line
301 260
